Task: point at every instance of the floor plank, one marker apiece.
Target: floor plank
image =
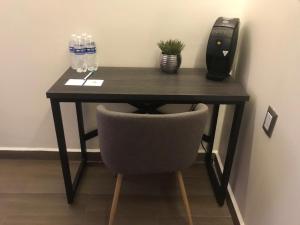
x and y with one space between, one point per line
196 221
32 192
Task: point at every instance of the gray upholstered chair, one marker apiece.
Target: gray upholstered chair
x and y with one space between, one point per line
177 108
147 143
120 107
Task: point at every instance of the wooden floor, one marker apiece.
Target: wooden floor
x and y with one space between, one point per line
32 193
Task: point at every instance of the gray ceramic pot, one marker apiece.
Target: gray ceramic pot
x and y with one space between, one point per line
170 63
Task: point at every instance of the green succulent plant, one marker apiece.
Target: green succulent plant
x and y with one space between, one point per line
171 47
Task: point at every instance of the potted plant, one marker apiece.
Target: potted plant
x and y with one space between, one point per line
170 59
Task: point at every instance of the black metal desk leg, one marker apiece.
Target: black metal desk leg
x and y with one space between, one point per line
59 129
233 139
209 160
81 131
219 184
212 130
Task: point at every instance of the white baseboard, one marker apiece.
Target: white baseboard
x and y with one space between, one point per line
42 149
234 202
56 149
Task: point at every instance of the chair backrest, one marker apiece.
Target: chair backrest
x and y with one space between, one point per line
150 143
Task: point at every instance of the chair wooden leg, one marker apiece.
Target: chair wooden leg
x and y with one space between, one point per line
115 199
184 197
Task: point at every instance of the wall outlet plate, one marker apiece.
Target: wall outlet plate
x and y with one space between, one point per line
269 121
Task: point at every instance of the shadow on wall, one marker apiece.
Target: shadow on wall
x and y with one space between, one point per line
89 113
46 132
244 60
241 168
201 52
47 137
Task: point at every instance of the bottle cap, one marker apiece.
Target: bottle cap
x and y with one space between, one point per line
73 37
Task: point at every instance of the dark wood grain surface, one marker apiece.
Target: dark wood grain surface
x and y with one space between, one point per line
150 85
32 192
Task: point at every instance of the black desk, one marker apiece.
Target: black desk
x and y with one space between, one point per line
137 86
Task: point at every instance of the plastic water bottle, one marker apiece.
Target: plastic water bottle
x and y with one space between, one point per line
79 50
91 58
84 43
84 38
71 50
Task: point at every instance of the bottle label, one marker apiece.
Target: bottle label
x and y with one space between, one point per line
91 50
79 51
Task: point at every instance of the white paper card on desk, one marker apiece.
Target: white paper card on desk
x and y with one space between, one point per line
94 83
75 82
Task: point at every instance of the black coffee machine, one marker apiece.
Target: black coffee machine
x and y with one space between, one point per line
221 48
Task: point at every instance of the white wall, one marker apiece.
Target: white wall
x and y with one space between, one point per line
34 36
266 179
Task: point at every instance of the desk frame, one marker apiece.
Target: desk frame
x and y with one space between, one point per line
219 183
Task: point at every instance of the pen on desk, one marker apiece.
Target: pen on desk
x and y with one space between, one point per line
87 76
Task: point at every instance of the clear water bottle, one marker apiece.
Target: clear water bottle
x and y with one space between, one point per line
91 58
71 50
84 43
84 37
79 50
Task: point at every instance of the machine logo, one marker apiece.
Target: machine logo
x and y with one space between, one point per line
225 52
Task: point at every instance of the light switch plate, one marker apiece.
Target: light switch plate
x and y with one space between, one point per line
269 122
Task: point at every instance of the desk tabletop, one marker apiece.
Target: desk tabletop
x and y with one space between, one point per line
148 85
